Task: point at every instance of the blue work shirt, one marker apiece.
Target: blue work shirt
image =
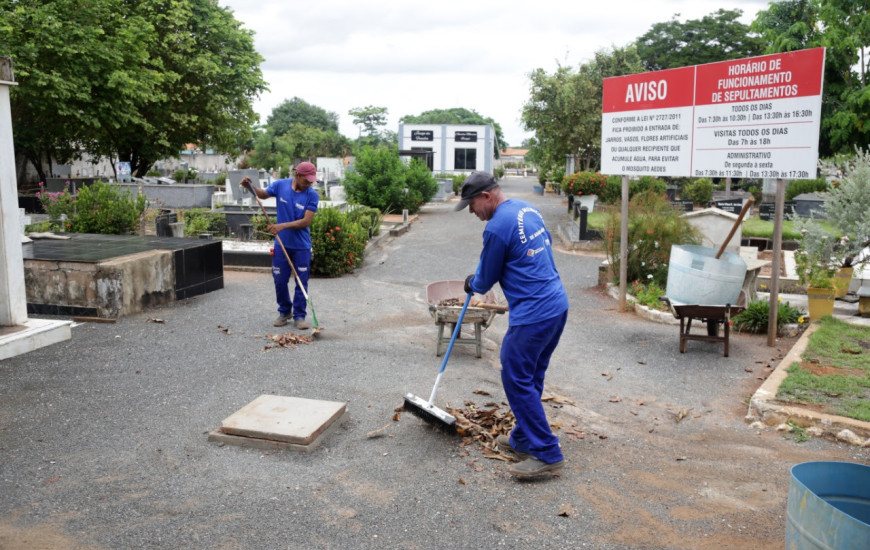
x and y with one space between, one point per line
517 253
291 206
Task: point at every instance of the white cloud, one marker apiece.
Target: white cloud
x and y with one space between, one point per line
413 57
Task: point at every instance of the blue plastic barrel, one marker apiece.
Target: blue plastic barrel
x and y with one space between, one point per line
828 506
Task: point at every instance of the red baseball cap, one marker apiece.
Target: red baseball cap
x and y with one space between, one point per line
307 171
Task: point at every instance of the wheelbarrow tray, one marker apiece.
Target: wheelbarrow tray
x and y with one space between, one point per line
446 316
439 291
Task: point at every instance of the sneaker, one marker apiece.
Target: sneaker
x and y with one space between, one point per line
301 324
281 321
532 467
503 443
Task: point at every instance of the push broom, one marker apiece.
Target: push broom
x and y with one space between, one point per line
315 327
425 409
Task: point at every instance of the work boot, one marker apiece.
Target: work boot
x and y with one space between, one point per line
281 321
503 443
301 324
532 467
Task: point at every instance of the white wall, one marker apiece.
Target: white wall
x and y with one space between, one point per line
446 139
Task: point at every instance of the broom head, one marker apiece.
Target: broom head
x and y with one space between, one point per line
430 413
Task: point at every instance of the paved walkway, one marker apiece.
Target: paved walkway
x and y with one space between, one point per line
103 439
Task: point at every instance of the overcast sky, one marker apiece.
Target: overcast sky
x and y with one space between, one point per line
412 57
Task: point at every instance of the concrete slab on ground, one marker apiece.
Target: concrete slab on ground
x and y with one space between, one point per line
295 421
31 335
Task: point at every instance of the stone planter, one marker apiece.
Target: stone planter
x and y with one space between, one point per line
586 200
842 278
820 302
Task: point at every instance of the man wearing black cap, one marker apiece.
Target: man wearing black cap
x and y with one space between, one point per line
517 253
296 204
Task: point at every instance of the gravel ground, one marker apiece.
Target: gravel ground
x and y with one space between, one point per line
103 439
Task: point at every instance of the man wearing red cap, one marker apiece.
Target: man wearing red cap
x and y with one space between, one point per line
296 204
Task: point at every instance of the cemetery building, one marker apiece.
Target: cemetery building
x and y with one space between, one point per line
454 148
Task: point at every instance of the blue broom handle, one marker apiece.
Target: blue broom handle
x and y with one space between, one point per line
456 331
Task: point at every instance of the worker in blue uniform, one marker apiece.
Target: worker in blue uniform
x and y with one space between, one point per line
295 205
517 254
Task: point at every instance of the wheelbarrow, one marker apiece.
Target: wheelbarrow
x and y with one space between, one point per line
445 299
712 315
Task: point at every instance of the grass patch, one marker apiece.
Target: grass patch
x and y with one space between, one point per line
756 227
834 373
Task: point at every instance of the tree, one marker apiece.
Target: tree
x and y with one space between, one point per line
298 142
133 81
381 180
298 111
564 109
842 27
370 117
458 115
715 37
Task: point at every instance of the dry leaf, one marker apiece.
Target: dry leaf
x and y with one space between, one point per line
396 417
462 481
566 510
683 413
633 412
640 402
747 369
615 399
641 362
481 392
380 431
607 375
682 458
150 320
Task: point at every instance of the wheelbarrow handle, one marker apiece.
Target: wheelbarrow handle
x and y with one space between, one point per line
484 305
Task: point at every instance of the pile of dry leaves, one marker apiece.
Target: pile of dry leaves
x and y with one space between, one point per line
286 340
483 425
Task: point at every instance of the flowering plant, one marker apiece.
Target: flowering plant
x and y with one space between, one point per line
584 183
846 207
815 256
56 205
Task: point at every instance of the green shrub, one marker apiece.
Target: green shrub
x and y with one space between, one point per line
699 191
498 172
203 220
584 183
646 183
653 226
612 191
100 207
366 216
153 173
261 228
220 179
799 187
648 295
381 180
179 175
756 317
338 245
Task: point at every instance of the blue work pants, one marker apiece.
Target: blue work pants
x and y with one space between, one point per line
282 274
525 356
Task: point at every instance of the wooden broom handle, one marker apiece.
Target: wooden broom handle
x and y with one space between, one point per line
743 212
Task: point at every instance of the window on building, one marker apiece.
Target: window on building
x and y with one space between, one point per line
428 157
465 159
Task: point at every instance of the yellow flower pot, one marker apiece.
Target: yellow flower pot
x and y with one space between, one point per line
842 279
820 302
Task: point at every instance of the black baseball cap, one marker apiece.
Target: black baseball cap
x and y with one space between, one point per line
475 184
